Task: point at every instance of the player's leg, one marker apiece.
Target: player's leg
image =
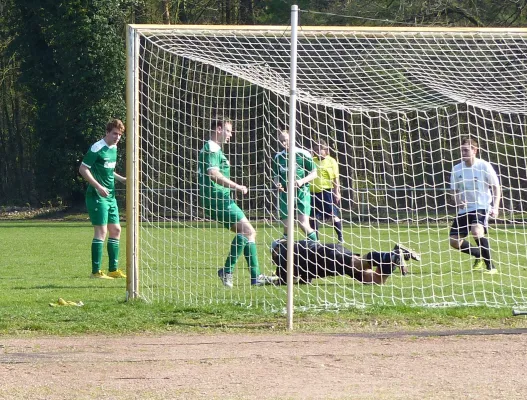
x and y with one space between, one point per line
333 212
458 232
230 215
114 236
354 266
408 252
97 245
303 203
370 276
283 212
362 268
251 254
478 229
316 208
337 225
303 221
218 209
245 228
385 263
113 247
98 212
243 243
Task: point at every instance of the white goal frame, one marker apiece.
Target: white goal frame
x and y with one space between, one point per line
133 216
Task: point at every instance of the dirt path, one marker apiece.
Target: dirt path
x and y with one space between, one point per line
290 366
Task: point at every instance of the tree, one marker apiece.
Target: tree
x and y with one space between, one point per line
62 68
483 13
73 67
16 150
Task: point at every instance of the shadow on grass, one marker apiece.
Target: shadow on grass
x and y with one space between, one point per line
220 325
218 317
46 287
452 332
46 224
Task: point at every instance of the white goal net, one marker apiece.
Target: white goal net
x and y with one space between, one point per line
391 103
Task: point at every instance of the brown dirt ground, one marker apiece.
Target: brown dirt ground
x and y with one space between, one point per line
274 366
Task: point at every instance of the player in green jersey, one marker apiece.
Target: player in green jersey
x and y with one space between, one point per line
306 171
98 168
215 188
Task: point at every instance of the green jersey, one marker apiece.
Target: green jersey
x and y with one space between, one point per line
101 160
211 157
304 165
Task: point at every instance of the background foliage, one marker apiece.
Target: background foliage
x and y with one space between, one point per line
62 68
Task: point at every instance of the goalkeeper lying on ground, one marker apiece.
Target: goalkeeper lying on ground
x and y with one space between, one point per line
317 260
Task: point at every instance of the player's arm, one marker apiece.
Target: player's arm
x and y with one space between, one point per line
496 199
119 178
276 176
309 165
458 198
336 190
217 177
308 178
84 170
277 184
495 187
456 193
336 183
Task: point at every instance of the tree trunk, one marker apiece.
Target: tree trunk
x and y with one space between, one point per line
165 10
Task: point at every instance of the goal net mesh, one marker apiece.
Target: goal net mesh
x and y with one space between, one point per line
392 105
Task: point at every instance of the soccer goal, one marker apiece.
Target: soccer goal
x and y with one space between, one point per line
392 103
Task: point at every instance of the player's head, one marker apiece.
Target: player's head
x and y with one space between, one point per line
283 138
469 149
221 130
115 124
114 131
321 148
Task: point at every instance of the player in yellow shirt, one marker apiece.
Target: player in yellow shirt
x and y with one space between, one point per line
326 189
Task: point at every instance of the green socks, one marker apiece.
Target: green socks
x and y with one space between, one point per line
241 245
113 253
313 236
251 256
96 255
238 244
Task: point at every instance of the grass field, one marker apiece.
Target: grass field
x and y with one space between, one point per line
43 260
179 264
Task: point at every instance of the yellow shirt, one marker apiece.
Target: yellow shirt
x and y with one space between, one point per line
328 171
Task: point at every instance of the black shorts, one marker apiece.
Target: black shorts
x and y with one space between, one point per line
463 222
323 205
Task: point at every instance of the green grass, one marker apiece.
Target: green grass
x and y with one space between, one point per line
43 260
179 263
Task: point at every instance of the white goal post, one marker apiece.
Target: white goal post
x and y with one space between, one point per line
392 103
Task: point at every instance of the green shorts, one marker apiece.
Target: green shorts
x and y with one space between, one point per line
102 210
223 210
302 200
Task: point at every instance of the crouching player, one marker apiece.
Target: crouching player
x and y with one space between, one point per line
317 260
